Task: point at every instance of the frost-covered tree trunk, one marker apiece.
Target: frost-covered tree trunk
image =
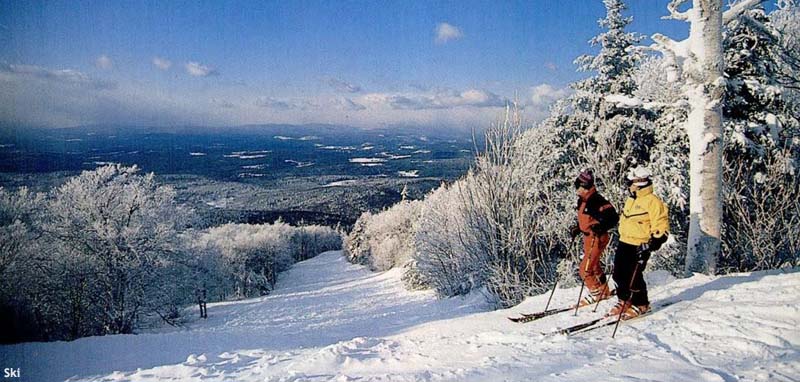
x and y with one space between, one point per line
699 61
705 89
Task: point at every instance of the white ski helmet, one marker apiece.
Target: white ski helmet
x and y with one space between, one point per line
641 175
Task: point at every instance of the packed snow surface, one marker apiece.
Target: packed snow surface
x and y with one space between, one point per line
330 320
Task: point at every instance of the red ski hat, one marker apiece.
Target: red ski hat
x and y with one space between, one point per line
585 179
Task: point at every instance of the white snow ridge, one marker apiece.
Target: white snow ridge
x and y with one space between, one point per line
329 320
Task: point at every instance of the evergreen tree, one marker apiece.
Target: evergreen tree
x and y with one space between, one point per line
755 108
598 131
356 246
618 56
761 151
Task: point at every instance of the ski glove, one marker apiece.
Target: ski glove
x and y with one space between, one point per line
574 231
656 242
644 250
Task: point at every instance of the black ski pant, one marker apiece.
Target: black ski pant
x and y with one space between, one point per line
625 261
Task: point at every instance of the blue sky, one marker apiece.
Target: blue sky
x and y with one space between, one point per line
363 63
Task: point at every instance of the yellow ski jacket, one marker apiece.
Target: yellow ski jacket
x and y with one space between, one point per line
643 216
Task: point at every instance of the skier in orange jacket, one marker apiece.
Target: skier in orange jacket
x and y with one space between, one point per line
596 216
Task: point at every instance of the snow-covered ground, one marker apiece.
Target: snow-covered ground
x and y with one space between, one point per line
333 321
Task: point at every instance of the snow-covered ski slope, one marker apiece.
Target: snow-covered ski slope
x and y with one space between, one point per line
333 321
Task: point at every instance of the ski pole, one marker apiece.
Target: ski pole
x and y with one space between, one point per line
598 301
580 294
583 282
630 299
551 295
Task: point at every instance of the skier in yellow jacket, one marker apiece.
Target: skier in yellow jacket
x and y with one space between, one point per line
643 228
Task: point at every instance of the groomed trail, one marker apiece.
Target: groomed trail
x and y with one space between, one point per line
329 320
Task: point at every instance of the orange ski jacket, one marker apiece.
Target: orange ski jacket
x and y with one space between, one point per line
594 209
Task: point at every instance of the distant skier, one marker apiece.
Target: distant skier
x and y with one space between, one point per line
596 216
643 228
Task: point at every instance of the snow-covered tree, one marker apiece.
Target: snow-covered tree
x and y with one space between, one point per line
618 56
17 225
252 255
761 152
762 213
206 267
756 108
122 226
356 244
22 256
391 235
446 258
483 230
499 215
384 240
311 240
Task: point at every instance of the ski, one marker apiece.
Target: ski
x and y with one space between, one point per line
528 317
601 322
571 329
602 325
609 323
613 322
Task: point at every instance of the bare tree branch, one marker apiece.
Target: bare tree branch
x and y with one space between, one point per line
674 13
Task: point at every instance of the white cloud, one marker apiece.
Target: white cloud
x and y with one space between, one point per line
65 97
162 63
225 104
343 86
446 32
349 105
545 94
103 62
283 104
199 70
551 66
28 73
442 99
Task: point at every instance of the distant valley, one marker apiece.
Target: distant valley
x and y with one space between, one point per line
316 174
